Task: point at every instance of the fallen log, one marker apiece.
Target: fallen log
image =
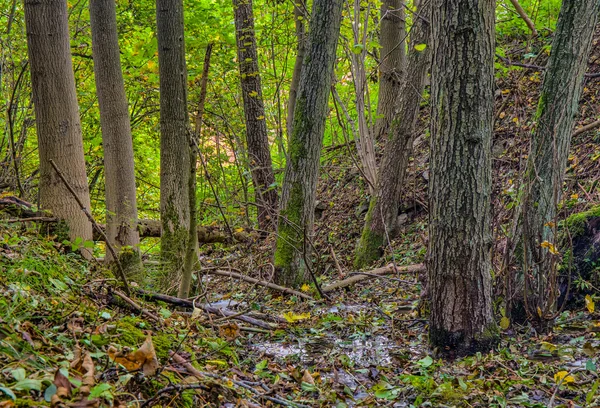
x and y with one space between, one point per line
255 281
208 309
386 270
16 207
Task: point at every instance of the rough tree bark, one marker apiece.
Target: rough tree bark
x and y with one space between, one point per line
383 209
299 8
460 238
391 64
296 217
119 174
259 152
558 104
57 114
174 138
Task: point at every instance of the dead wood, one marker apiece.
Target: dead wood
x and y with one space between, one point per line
258 282
386 270
208 309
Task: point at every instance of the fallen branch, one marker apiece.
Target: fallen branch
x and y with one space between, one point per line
203 375
255 281
208 309
586 128
137 307
386 270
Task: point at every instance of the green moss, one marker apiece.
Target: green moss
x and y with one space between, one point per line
132 336
575 224
23 402
131 262
289 262
370 246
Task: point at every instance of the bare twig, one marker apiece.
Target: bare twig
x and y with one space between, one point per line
137 307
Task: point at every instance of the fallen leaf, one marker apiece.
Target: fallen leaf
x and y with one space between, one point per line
307 378
63 385
563 377
230 331
291 317
589 304
143 358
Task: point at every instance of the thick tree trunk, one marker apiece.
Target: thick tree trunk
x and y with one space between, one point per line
549 150
383 209
299 7
119 174
259 152
57 114
393 50
460 237
296 217
174 137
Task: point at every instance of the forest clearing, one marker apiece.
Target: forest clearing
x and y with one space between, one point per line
303 203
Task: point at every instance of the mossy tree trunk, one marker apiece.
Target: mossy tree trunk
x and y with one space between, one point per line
460 238
296 216
119 174
383 209
174 139
259 153
549 151
299 18
57 119
391 62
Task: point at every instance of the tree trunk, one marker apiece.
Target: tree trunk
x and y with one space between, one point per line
299 7
391 64
119 174
460 237
549 150
191 255
57 114
300 181
174 137
383 209
259 152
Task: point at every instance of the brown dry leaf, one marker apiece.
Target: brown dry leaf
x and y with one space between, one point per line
63 385
6 404
85 403
230 331
88 370
143 358
307 378
103 328
75 325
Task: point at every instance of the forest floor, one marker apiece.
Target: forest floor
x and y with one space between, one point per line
67 338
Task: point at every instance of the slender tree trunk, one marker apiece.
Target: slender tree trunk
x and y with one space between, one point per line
174 138
383 209
549 150
57 114
300 182
460 237
391 64
525 17
299 7
119 174
192 248
259 152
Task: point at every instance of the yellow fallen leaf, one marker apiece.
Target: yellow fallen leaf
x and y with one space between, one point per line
305 288
291 317
563 377
589 303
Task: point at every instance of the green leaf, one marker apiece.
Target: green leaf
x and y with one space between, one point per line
357 48
50 391
101 390
504 323
590 395
420 47
18 374
28 384
591 366
425 362
8 392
